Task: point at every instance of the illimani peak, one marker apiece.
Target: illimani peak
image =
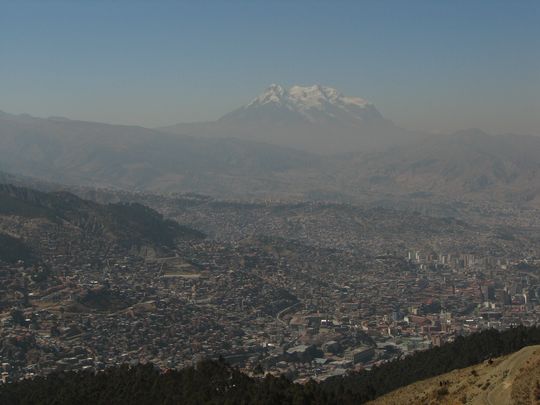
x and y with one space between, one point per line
311 101
314 118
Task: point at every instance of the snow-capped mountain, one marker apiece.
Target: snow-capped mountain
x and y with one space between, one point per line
313 118
314 104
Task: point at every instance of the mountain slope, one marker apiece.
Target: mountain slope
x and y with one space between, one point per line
507 380
315 118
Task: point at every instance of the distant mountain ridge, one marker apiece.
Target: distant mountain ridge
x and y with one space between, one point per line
468 165
105 155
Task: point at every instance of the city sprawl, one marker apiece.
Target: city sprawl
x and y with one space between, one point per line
309 290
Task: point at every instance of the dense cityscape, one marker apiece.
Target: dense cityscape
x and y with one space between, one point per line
308 307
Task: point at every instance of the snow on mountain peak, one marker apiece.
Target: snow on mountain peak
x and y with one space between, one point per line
273 94
302 98
316 104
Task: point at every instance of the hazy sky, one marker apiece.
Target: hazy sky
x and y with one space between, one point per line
431 65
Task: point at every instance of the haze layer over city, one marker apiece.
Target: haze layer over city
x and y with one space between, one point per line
307 190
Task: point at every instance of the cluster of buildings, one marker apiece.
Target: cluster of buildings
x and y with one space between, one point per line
267 303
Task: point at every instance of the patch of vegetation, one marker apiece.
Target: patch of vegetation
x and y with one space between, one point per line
441 392
12 250
142 224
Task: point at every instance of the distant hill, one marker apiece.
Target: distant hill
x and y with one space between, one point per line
468 164
126 224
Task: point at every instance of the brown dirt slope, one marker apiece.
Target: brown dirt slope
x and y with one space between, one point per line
512 379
